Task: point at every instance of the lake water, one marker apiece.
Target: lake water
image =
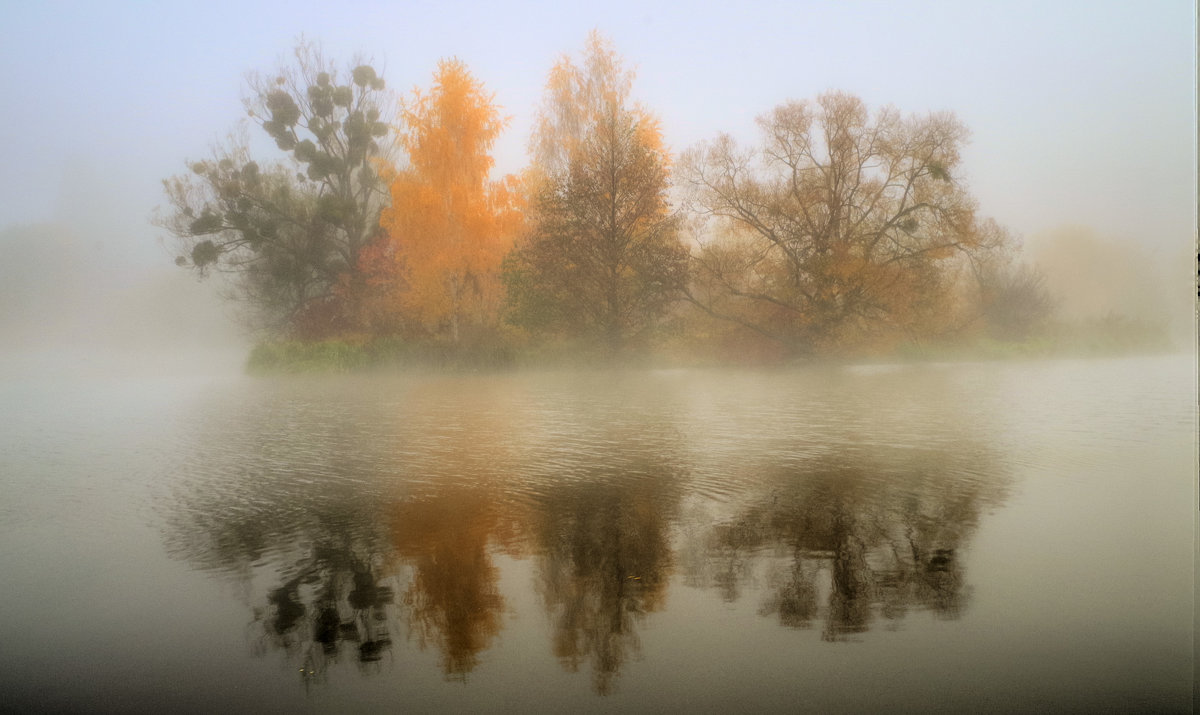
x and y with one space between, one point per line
990 536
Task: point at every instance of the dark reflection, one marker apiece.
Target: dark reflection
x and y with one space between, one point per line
334 567
329 592
339 541
847 541
334 600
605 560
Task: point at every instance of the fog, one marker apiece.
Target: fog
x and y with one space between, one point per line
1080 115
79 297
1002 520
1092 276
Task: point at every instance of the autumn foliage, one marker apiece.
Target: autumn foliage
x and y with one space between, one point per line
603 259
843 227
437 264
844 230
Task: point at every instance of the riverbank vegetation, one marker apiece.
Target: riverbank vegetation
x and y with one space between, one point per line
380 236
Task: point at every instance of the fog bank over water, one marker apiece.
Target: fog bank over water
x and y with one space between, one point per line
1093 275
954 476
81 302
923 538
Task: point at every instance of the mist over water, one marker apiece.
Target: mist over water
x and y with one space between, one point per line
76 302
934 536
1093 276
854 532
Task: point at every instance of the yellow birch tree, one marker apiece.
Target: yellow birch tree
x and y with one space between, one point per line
449 226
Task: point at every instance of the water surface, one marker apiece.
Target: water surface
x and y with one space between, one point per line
1009 537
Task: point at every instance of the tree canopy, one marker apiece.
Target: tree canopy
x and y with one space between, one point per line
842 230
603 258
290 229
842 224
437 264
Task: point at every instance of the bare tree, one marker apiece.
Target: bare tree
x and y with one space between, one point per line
842 224
1015 301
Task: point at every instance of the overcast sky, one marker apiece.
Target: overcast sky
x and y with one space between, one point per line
1080 113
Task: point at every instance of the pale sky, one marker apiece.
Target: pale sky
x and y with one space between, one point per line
1080 112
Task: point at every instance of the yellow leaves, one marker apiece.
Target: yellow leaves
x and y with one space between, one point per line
579 100
451 129
449 226
859 222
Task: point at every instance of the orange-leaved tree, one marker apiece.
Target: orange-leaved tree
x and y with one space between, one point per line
449 225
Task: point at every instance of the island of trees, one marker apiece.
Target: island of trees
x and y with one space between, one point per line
380 233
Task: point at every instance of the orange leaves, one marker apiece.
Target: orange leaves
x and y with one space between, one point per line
584 101
452 128
449 226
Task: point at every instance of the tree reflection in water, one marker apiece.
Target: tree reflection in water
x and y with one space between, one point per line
331 590
435 549
605 561
333 598
454 597
848 542
360 548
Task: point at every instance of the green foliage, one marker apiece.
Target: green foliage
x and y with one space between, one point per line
939 172
364 76
283 116
204 253
299 357
208 222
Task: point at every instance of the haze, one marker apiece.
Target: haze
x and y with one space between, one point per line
1082 114
571 444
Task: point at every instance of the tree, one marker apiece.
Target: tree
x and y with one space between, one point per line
842 226
603 258
449 226
1014 300
291 231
